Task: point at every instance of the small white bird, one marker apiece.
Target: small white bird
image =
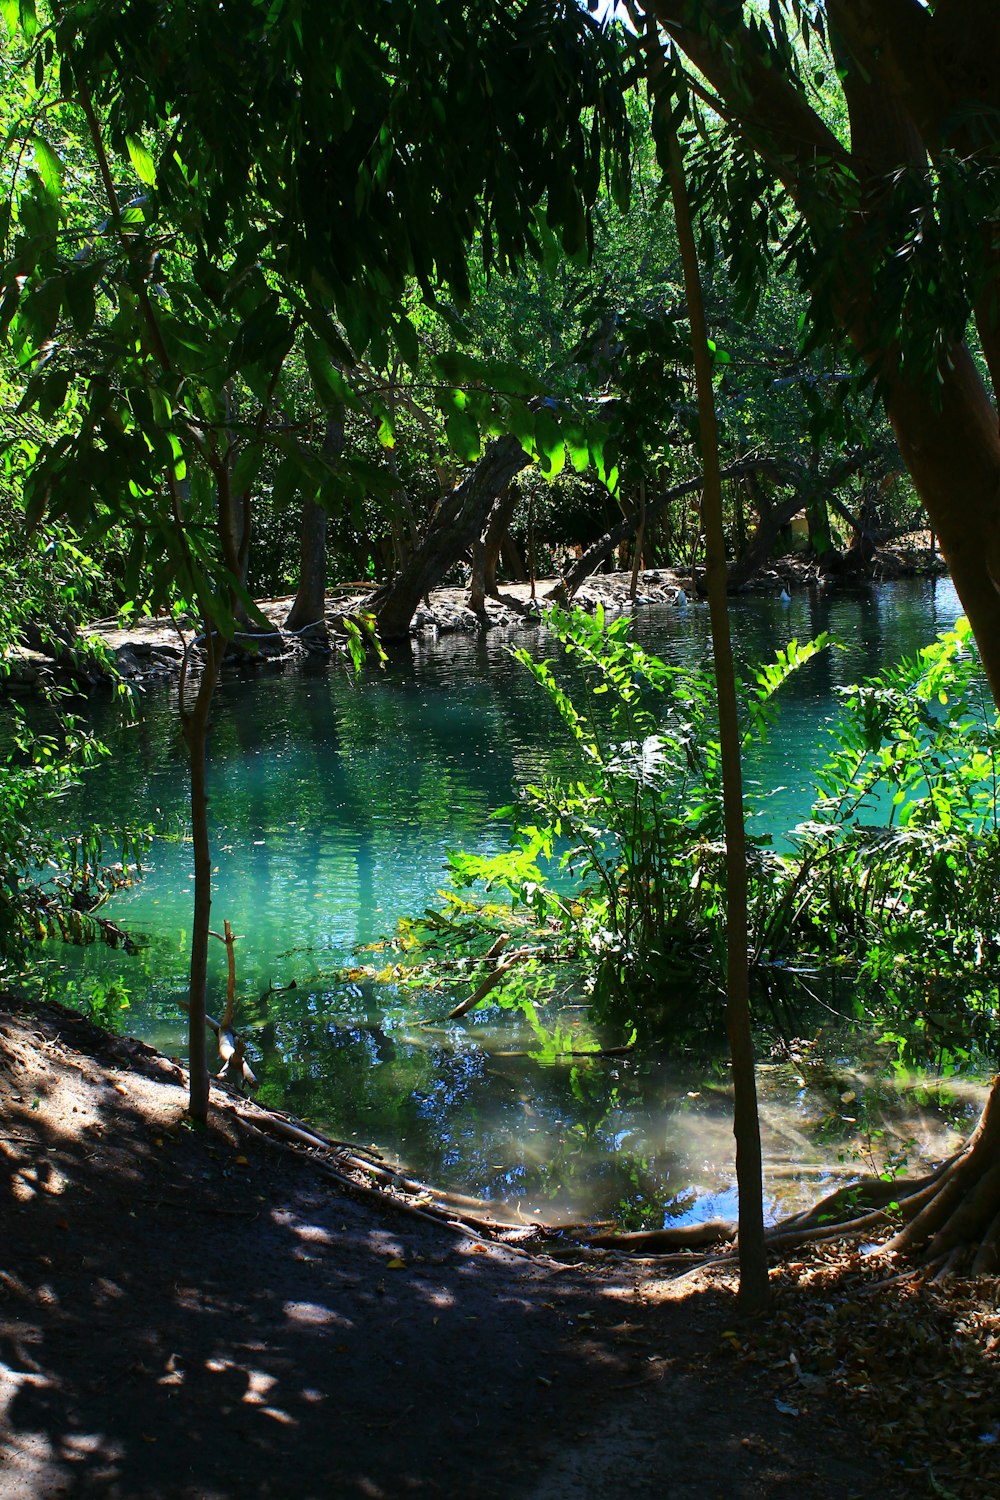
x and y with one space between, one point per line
785 597
680 598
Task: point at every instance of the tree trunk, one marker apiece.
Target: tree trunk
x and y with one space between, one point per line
309 604
640 540
950 444
458 523
512 559
496 536
820 535
486 553
238 521
477 584
746 1121
772 519
194 723
961 1215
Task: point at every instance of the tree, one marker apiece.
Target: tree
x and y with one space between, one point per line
143 271
746 1117
861 140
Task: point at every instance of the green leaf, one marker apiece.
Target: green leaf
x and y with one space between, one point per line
462 432
142 161
332 389
48 166
247 467
407 342
549 442
577 448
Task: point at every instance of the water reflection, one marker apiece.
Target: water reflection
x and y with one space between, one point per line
333 806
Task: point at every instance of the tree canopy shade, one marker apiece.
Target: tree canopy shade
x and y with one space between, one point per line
862 142
372 142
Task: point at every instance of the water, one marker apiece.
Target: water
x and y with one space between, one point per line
333 805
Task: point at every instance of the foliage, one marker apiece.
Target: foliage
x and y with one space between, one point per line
898 864
104 1004
615 865
637 824
51 883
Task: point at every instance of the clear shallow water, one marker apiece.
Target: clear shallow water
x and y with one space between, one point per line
333 806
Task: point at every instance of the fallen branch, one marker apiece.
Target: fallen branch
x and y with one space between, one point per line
489 983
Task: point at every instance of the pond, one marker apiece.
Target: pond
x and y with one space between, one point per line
333 805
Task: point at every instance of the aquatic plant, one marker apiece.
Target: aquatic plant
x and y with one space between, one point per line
615 864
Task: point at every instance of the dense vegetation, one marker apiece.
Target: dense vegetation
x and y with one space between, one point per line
418 317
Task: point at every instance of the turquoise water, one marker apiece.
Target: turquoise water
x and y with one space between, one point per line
333 805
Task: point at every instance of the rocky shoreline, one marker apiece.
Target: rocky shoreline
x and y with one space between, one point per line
153 649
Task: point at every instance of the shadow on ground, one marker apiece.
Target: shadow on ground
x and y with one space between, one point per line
191 1314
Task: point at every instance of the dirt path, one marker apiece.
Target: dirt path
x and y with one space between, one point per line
204 1315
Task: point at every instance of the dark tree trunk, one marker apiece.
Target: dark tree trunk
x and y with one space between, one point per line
477 583
459 522
510 553
865 536
309 604
497 535
599 551
820 536
486 553
773 519
237 522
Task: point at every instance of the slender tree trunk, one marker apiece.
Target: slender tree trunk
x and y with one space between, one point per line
477 584
746 1121
195 727
640 539
531 543
238 520
309 604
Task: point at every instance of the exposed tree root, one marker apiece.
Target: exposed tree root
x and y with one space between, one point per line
950 1217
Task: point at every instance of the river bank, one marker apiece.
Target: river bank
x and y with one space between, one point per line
154 648
190 1314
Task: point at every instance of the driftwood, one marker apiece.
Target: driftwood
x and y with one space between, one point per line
371 1177
683 1237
